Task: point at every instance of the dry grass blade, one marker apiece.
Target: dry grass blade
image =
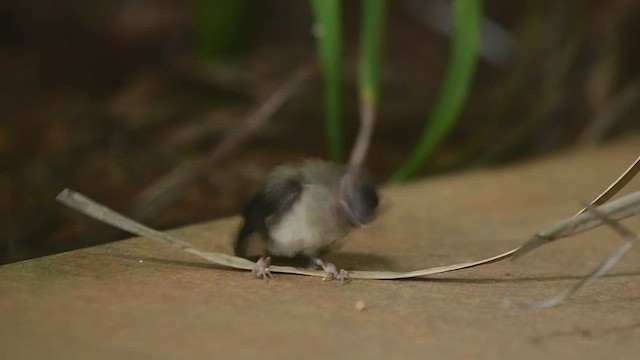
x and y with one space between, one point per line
102 213
365 132
619 209
167 189
541 239
617 185
632 239
369 72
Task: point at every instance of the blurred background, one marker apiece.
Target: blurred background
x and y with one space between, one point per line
111 97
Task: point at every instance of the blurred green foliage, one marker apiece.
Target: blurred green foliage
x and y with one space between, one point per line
371 39
328 30
451 100
219 24
458 78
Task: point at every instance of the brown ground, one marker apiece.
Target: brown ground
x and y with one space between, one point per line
137 299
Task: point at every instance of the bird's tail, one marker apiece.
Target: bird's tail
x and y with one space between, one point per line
242 240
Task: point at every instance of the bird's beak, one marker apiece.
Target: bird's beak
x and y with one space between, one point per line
351 217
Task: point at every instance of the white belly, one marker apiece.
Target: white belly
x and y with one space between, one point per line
312 224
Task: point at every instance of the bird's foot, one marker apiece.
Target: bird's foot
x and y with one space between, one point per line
261 269
332 272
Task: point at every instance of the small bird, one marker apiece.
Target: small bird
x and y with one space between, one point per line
307 210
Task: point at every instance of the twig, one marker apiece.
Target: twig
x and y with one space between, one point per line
167 189
541 239
219 76
616 210
187 134
609 262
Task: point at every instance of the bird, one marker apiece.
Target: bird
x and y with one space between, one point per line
307 209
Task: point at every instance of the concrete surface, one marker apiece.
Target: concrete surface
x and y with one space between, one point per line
137 299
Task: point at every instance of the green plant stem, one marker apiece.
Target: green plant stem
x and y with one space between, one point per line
371 39
329 33
515 85
373 14
458 78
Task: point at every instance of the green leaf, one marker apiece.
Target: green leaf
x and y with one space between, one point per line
328 29
452 96
373 14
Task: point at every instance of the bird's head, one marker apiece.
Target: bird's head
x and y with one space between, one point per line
358 197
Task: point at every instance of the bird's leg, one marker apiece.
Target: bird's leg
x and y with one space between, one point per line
332 271
261 269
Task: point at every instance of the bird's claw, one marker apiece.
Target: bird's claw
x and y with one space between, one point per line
342 275
261 269
332 272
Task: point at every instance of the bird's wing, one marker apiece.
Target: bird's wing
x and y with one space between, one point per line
267 207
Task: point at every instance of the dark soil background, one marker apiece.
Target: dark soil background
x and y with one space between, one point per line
105 97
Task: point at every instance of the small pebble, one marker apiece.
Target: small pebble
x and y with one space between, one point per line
140 261
360 305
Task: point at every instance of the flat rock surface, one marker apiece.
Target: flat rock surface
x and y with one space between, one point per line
138 299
